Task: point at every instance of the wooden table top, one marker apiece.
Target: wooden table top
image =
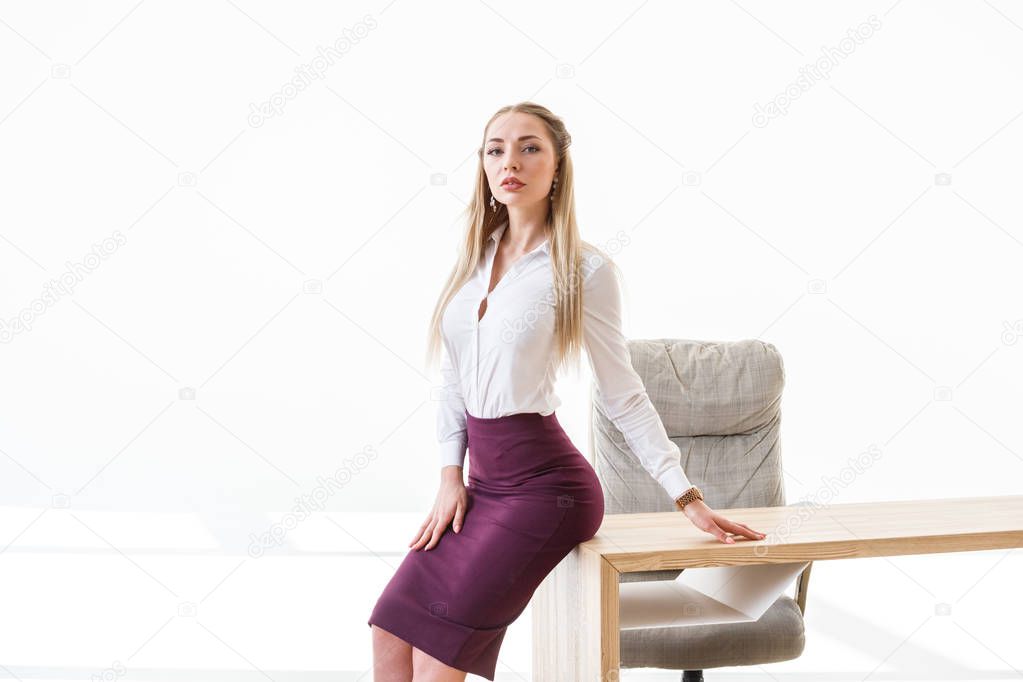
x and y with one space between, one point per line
804 532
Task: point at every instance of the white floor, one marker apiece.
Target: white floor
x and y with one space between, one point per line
114 596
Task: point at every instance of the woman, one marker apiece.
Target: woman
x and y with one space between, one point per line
532 496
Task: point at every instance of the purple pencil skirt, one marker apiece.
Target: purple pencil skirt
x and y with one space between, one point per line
532 497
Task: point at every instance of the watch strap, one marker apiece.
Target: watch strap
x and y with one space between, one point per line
690 495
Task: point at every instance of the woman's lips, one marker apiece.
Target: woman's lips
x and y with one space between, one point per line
513 186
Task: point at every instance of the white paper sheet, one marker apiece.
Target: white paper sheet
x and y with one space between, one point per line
703 596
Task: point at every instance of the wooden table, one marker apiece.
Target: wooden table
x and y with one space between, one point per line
575 609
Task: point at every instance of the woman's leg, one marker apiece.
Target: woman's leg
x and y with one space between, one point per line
392 657
429 669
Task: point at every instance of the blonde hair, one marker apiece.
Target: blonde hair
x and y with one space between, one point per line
567 249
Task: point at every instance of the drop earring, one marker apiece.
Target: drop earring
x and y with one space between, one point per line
493 205
554 187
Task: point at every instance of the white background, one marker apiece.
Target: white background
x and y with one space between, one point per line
262 321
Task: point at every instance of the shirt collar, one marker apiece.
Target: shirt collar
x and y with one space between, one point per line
496 236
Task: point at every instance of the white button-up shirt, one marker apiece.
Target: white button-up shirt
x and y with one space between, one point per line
505 363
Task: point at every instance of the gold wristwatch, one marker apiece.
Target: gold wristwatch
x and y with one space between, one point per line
687 497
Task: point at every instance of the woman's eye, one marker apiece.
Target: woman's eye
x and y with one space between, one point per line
490 152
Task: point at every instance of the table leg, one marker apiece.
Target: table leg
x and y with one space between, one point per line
575 621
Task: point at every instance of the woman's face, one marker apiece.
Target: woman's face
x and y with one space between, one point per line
517 144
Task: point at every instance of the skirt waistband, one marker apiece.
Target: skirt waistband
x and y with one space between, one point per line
512 423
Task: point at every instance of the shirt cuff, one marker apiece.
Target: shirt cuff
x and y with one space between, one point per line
452 452
675 482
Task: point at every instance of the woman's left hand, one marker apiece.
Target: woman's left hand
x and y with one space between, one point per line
708 520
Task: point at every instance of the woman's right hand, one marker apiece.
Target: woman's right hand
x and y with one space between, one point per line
451 503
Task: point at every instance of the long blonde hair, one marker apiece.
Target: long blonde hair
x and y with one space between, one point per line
567 249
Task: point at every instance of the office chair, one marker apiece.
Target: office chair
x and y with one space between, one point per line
720 402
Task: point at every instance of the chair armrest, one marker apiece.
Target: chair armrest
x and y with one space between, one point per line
802 584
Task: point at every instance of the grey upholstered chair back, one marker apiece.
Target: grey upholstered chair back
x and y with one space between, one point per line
720 402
